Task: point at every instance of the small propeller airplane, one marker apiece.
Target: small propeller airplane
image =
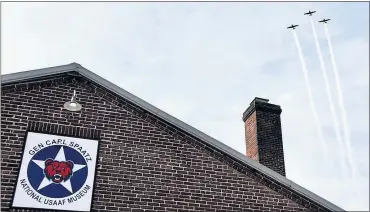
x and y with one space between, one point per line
292 27
324 20
310 13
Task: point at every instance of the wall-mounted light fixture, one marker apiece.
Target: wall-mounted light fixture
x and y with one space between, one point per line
72 105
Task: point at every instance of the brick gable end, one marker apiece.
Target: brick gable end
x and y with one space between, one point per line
143 164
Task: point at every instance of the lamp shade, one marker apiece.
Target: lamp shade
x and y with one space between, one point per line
73 105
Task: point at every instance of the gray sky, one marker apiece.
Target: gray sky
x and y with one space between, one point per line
205 62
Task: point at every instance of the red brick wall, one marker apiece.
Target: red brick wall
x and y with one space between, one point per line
251 137
144 164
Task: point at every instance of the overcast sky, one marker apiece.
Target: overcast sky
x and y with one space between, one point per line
205 62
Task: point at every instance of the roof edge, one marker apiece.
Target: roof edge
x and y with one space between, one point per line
27 75
44 72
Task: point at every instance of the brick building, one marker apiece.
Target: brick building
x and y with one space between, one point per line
146 159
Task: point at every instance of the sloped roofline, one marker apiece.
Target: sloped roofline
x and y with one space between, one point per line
45 72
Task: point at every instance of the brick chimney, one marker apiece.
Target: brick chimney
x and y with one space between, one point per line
263 134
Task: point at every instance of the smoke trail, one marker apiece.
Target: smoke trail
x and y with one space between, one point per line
347 136
308 86
323 69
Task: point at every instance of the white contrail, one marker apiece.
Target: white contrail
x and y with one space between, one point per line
347 136
308 86
332 108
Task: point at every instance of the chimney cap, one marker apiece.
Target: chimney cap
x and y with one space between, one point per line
261 105
257 99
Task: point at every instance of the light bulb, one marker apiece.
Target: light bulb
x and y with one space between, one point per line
73 104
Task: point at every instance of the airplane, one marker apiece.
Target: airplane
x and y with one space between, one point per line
292 27
310 13
324 20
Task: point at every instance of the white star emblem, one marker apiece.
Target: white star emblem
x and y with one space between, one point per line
60 157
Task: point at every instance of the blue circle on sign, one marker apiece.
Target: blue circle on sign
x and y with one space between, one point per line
57 171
